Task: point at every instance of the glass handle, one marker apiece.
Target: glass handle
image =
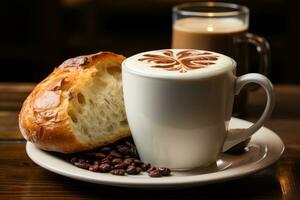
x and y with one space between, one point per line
262 47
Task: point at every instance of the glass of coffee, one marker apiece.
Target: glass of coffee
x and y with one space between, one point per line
223 28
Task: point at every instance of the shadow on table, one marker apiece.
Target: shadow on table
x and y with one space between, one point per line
259 186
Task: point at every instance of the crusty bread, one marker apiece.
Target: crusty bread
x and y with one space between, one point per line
79 106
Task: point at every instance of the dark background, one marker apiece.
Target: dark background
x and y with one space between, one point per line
37 35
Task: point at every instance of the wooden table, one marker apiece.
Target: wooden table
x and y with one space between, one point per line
20 178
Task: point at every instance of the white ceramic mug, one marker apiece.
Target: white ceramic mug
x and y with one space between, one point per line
179 103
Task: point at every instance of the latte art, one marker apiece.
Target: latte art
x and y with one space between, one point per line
182 61
178 63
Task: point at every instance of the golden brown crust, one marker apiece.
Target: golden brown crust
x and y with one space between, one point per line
88 60
42 121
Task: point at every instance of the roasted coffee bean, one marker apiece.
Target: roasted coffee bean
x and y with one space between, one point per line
118 172
138 170
128 161
145 167
151 169
138 162
94 168
74 159
123 149
133 152
133 164
106 160
100 155
121 145
131 169
154 173
120 166
130 144
116 161
89 161
105 167
164 171
96 162
110 157
115 154
105 149
82 165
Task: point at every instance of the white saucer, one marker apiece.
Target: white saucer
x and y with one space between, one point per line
264 149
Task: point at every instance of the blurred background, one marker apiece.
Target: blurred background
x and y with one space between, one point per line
37 36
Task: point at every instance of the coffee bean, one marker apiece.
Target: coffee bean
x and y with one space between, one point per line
151 169
133 152
82 165
105 149
100 155
131 169
115 154
128 161
138 170
164 171
109 157
133 164
96 162
120 166
145 167
116 161
118 172
106 160
130 144
105 167
94 168
74 159
154 173
89 161
123 149
138 162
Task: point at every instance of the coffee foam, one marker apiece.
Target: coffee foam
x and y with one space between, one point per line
207 25
177 63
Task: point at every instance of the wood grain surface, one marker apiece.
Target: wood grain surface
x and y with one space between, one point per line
20 178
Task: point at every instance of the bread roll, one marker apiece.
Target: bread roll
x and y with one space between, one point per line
79 106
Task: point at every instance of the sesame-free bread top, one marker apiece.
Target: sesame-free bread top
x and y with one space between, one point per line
79 106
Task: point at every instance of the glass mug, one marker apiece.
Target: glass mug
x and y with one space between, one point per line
220 27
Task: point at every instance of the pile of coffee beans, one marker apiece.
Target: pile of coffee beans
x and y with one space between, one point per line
119 158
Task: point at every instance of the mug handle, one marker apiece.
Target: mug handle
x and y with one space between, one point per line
240 135
262 47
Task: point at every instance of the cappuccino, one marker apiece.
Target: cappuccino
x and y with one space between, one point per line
178 104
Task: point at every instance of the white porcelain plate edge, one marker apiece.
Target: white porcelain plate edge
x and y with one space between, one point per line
267 138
